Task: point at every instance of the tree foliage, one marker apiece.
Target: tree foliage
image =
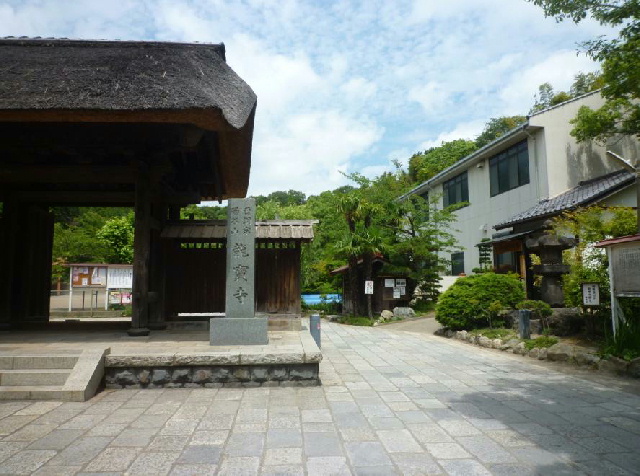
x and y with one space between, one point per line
588 264
470 302
497 127
117 236
423 166
620 66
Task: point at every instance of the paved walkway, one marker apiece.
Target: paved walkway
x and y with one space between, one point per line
392 403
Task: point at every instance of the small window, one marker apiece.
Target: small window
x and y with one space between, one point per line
457 263
509 169
507 262
456 190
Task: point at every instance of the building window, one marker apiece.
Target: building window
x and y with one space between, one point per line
507 262
509 169
456 190
457 263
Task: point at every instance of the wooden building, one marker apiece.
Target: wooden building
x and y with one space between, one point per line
151 125
389 289
195 271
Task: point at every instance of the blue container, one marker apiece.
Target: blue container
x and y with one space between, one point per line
310 299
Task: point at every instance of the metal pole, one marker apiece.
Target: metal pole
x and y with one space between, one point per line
314 328
70 288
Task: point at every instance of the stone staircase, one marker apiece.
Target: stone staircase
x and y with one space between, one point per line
56 376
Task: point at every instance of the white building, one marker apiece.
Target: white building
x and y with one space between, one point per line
531 173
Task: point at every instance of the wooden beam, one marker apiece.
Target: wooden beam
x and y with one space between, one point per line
67 174
141 253
86 198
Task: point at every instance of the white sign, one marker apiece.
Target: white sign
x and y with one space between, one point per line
389 283
401 282
120 278
591 294
396 293
626 262
368 287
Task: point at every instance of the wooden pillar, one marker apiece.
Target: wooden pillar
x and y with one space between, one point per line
174 213
8 241
156 278
141 253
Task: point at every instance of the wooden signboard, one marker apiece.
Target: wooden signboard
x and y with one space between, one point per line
85 276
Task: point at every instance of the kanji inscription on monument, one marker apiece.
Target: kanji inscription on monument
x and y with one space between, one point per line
241 249
240 326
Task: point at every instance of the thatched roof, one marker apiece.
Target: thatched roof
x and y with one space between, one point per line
85 81
48 74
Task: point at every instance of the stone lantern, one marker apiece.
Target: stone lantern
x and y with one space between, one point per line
549 248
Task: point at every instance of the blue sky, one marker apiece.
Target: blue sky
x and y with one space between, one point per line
346 86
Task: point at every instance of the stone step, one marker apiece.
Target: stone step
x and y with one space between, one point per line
34 377
37 361
61 376
41 392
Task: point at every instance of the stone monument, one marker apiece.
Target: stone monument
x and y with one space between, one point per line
549 248
240 326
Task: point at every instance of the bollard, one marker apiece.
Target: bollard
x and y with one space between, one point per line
524 323
314 328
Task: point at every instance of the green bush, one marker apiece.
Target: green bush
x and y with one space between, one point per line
626 343
422 306
539 310
540 342
127 311
467 303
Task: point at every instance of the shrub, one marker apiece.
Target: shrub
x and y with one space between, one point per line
626 343
540 342
422 306
467 303
539 310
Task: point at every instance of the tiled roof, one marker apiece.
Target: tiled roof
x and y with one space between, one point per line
586 192
217 229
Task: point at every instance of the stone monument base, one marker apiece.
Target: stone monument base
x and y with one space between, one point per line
238 331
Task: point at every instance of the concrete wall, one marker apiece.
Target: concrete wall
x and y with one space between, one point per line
476 220
564 161
557 162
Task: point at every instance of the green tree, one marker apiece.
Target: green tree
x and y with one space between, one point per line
117 235
497 127
273 210
423 166
620 66
547 98
203 212
584 83
590 225
423 236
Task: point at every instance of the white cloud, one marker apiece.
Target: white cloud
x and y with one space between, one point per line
558 69
432 96
466 130
309 152
347 84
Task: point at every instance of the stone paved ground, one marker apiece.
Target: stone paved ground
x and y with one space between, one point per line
392 403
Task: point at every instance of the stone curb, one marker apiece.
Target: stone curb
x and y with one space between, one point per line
556 353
